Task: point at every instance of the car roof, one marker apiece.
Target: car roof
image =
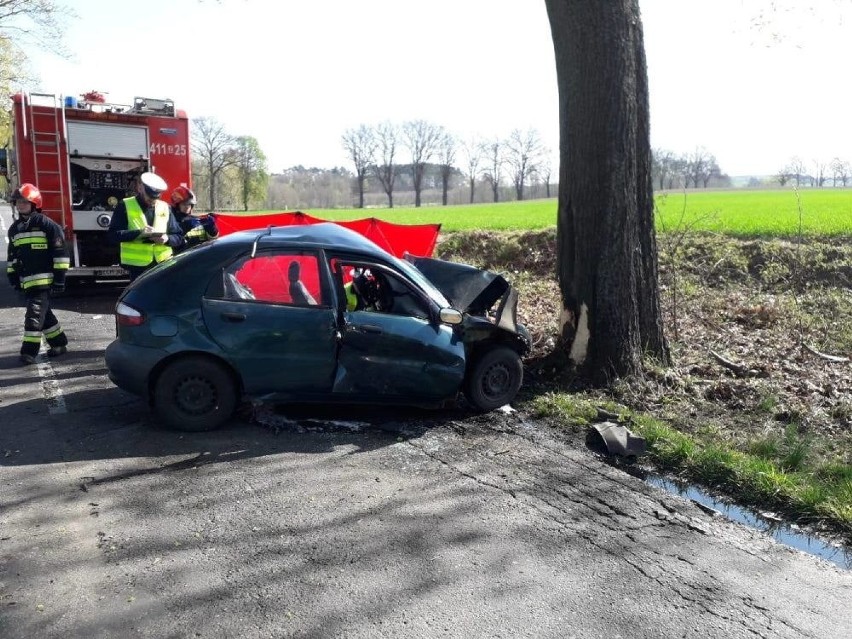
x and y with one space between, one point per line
327 235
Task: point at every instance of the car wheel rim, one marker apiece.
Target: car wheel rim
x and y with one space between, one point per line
195 396
496 381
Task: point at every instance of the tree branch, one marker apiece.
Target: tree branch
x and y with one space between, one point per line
831 358
739 369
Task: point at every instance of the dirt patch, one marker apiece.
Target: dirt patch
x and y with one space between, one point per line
768 308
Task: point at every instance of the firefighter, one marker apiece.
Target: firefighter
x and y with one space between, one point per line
37 263
197 228
144 227
362 292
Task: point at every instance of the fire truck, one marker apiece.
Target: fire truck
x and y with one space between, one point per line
85 155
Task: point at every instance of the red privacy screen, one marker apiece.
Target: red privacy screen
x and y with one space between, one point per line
397 239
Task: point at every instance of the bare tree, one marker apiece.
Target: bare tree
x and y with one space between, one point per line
15 72
797 170
696 166
384 167
663 165
523 151
446 160
679 174
214 149
360 144
545 169
40 23
473 151
840 170
606 245
819 173
712 172
25 24
493 173
251 170
422 139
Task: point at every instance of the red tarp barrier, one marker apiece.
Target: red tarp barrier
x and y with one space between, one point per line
397 239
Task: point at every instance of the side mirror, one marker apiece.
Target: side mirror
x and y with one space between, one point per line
450 316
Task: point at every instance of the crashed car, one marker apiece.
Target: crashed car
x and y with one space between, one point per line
313 313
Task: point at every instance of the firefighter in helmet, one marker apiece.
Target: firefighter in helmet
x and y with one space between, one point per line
144 227
37 263
196 227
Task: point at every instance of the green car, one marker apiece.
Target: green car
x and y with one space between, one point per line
313 313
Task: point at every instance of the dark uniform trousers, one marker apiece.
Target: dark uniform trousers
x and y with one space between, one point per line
39 320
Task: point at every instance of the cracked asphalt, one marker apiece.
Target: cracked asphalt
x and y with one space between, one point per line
321 522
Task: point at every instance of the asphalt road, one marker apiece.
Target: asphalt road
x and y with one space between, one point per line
345 523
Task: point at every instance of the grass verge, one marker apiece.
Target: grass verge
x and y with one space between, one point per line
791 475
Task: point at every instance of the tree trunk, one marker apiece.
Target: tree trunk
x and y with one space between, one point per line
417 179
606 246
472 189
361 179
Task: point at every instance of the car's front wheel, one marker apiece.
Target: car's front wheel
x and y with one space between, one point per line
495 379
195 394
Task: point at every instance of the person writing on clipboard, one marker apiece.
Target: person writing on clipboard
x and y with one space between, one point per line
144 228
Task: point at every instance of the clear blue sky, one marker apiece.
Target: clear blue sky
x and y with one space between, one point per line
295 75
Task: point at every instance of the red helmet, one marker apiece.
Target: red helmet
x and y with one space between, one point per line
28 192
183 194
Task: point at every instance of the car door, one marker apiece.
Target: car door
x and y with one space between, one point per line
398 351
274 318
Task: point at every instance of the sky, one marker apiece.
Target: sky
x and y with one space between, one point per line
754 88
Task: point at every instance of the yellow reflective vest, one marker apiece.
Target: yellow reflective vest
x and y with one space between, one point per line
139 252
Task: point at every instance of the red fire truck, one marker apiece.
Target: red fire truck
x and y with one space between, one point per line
85 156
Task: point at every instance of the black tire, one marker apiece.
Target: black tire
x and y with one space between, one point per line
495 379
195 394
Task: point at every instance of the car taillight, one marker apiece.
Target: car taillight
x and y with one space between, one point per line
127 315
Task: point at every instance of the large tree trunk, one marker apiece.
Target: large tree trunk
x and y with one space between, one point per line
607 251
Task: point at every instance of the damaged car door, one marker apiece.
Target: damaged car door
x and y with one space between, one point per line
392 345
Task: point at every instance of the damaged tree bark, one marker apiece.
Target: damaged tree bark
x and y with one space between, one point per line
607 252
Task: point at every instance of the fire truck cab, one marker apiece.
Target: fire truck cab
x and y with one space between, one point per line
85 156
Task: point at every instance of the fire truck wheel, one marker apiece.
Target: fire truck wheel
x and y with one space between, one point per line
195 394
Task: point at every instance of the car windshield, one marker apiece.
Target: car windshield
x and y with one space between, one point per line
411 271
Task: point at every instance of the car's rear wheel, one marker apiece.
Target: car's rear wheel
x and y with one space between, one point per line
195 394
495 379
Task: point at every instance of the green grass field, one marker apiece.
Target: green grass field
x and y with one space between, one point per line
825 212
745 213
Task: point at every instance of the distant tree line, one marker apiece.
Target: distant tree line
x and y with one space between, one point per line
420 157
698 169
419 162
798 173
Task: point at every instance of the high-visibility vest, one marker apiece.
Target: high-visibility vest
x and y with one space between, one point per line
351 298
138 252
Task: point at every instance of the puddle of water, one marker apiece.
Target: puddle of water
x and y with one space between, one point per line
783 533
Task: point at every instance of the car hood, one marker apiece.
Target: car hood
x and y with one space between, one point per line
470 289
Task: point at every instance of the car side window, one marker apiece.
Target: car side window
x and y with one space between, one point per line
378 291
280 277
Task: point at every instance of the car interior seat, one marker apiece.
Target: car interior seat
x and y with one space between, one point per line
298 291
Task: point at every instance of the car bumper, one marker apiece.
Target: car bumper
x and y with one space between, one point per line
129 366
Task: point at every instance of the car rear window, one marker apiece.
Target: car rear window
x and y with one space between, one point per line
284 278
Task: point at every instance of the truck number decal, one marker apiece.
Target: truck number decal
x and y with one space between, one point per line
159 148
